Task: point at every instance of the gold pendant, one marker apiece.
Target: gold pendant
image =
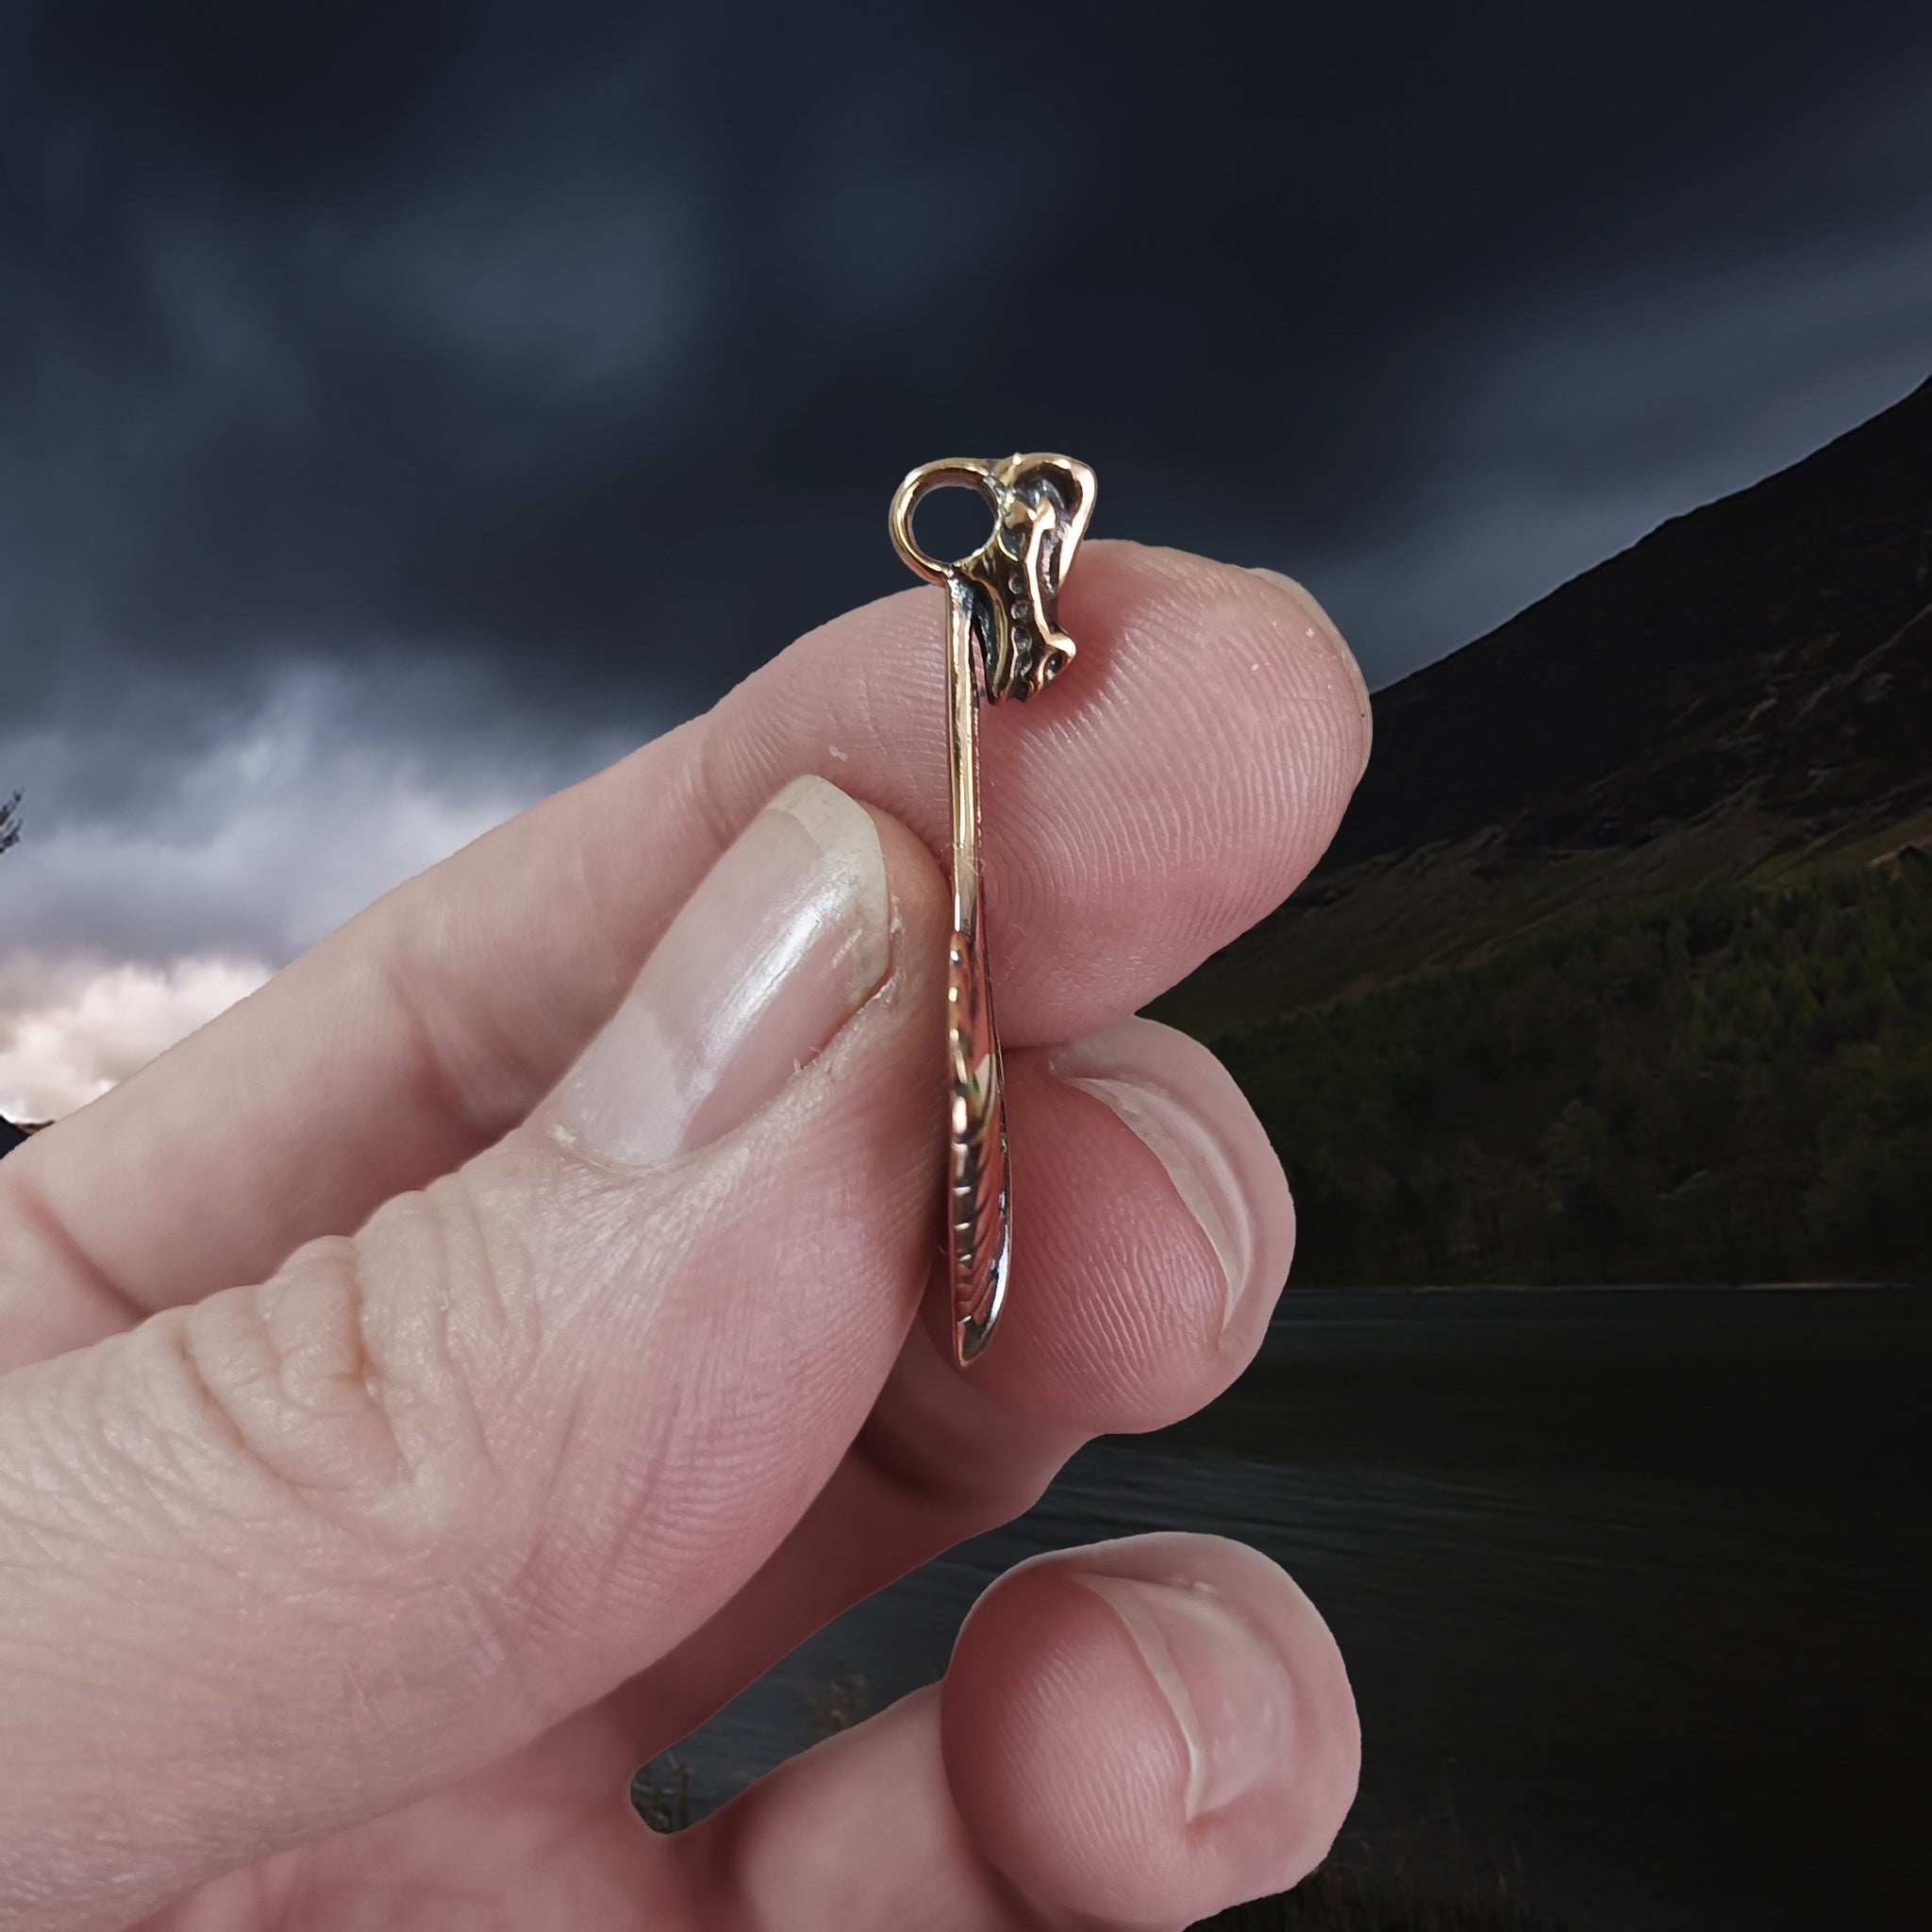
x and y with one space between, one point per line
1003 639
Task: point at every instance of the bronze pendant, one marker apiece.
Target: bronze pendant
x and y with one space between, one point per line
1003 639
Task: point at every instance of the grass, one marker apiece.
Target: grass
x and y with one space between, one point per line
1345 1897
1422 1877
664 1794
661 1794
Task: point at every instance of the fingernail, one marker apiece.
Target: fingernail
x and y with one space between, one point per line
1134 1068
786 937
1323 625
1227 1689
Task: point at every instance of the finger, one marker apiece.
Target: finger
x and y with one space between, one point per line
1078 1732
1138 1734
1154 1236
288 1556
1149 808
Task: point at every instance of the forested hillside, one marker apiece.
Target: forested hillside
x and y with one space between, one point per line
1727 1085
1619 968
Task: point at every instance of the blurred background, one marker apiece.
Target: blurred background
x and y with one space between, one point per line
387 392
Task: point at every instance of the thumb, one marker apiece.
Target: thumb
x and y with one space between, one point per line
296 1553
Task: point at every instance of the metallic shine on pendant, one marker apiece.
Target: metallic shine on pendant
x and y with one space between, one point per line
1003 639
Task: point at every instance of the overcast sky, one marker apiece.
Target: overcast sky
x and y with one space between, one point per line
386 388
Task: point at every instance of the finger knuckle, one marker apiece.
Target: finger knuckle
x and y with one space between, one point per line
357 1383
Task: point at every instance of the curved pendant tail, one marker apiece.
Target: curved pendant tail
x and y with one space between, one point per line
978 1216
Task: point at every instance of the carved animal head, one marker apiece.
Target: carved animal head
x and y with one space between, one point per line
1041 507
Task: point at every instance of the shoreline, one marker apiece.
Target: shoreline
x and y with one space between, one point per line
1460 1288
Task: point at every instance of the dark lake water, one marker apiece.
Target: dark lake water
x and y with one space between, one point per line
1640 1575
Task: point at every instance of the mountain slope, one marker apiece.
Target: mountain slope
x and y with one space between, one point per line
1757 645
1748 687
1621 966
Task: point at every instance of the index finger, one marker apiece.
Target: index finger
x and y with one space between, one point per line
1177 784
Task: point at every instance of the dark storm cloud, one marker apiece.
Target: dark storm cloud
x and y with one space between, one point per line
367 336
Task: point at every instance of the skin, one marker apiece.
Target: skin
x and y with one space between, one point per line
382 1480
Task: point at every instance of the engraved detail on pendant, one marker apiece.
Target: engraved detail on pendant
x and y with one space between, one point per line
1003 639
979 1232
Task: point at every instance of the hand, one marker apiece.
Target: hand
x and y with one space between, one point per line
586 1372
